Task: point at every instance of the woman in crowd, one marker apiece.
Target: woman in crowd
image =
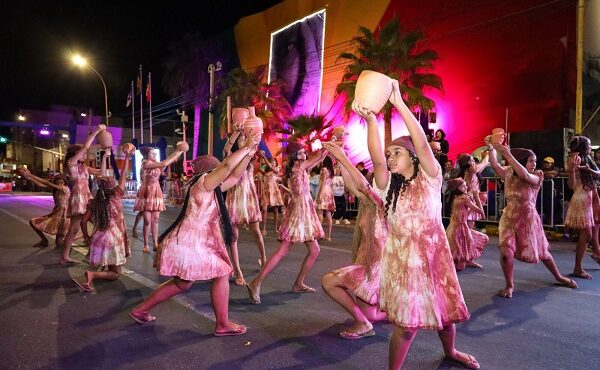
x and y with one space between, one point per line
271 194
324 202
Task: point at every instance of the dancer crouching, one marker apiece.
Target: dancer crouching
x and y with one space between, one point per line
419 287
193 247
300 223
361 278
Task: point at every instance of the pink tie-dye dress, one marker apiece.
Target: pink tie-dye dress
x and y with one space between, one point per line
325 201
110 247
363 277
242 200
300 221
473 187
195 249
520 227
149 196
271 195
466 244
80 190
419 287
56 222
580 214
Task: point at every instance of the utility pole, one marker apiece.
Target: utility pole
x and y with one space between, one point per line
579 92
184 121
211 71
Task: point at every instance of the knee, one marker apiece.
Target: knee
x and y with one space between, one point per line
506 255
183 285
328 282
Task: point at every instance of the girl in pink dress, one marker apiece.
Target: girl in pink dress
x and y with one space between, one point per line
109 246
271 194
466 244
56 222
521 231
150 199
325 202
470 171
193 247
244 209
584 178
362 277
300 223
80 195
419 287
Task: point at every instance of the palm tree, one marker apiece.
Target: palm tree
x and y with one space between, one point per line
306 129
247 89
401 56
186 75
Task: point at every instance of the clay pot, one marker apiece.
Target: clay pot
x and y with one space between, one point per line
498 136
183 146
239 115
252 124
105 139
128 149
373 90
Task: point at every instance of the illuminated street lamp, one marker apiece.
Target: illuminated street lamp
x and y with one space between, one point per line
21 118
80 61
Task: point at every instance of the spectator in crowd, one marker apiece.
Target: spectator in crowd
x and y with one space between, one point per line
314 182
597 156
551 193
440 137
339 195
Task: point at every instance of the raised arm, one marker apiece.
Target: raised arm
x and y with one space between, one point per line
88 142
380 168
475 206
266 161
170 159
485 160
312 160
229 164
231 140
517 167
417 135
573 163
42 182
124 170
498 169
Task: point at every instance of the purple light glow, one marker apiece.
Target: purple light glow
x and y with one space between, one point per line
44 132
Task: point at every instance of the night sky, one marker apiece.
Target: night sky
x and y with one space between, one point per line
36 37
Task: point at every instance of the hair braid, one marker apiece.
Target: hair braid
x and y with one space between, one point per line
398 185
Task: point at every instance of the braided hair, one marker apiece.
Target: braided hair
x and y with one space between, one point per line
328 163
292 159
398 184
101 208
225 220
581 144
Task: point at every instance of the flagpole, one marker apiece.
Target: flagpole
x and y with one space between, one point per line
132 94
149 98
141 108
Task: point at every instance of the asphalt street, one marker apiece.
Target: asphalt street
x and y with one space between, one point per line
48 323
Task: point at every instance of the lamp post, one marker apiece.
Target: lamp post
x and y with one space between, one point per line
79 61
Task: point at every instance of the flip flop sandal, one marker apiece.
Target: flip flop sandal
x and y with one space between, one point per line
346 334
471 364
143 318
240 330
304 290
85 287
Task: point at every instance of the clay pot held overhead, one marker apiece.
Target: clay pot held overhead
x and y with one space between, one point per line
105 139
128 148
239 115
498 136
373 90
252 124
183 146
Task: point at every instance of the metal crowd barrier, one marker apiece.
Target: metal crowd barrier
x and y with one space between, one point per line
551 204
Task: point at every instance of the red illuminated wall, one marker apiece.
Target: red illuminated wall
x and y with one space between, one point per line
496 55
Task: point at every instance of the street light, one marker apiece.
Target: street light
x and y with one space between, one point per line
81 62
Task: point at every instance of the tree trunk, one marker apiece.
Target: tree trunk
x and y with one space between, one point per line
387 124
197 111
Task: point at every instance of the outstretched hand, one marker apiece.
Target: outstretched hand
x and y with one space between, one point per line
334 149
503 149
362 111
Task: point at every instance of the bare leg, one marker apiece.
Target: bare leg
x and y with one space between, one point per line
584 239
255 228
44 241
276 214
83 224
329 220
336 290
271 263
155 219
113 273
235 256
219 295
164 292
372 312
60 240
551 266
400 342
307 264
265 211
447 336
73 229
138 218
506 262
147 227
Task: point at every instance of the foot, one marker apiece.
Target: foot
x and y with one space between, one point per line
346 222
505 293
253 293
264 232
303 289
146 249
569 283
67 261
328 238
41 244
474 265
464 359
83 286
581 275
358 330
142 317
229 329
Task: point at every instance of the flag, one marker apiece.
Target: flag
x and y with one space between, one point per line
129 97
139 86
148 93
